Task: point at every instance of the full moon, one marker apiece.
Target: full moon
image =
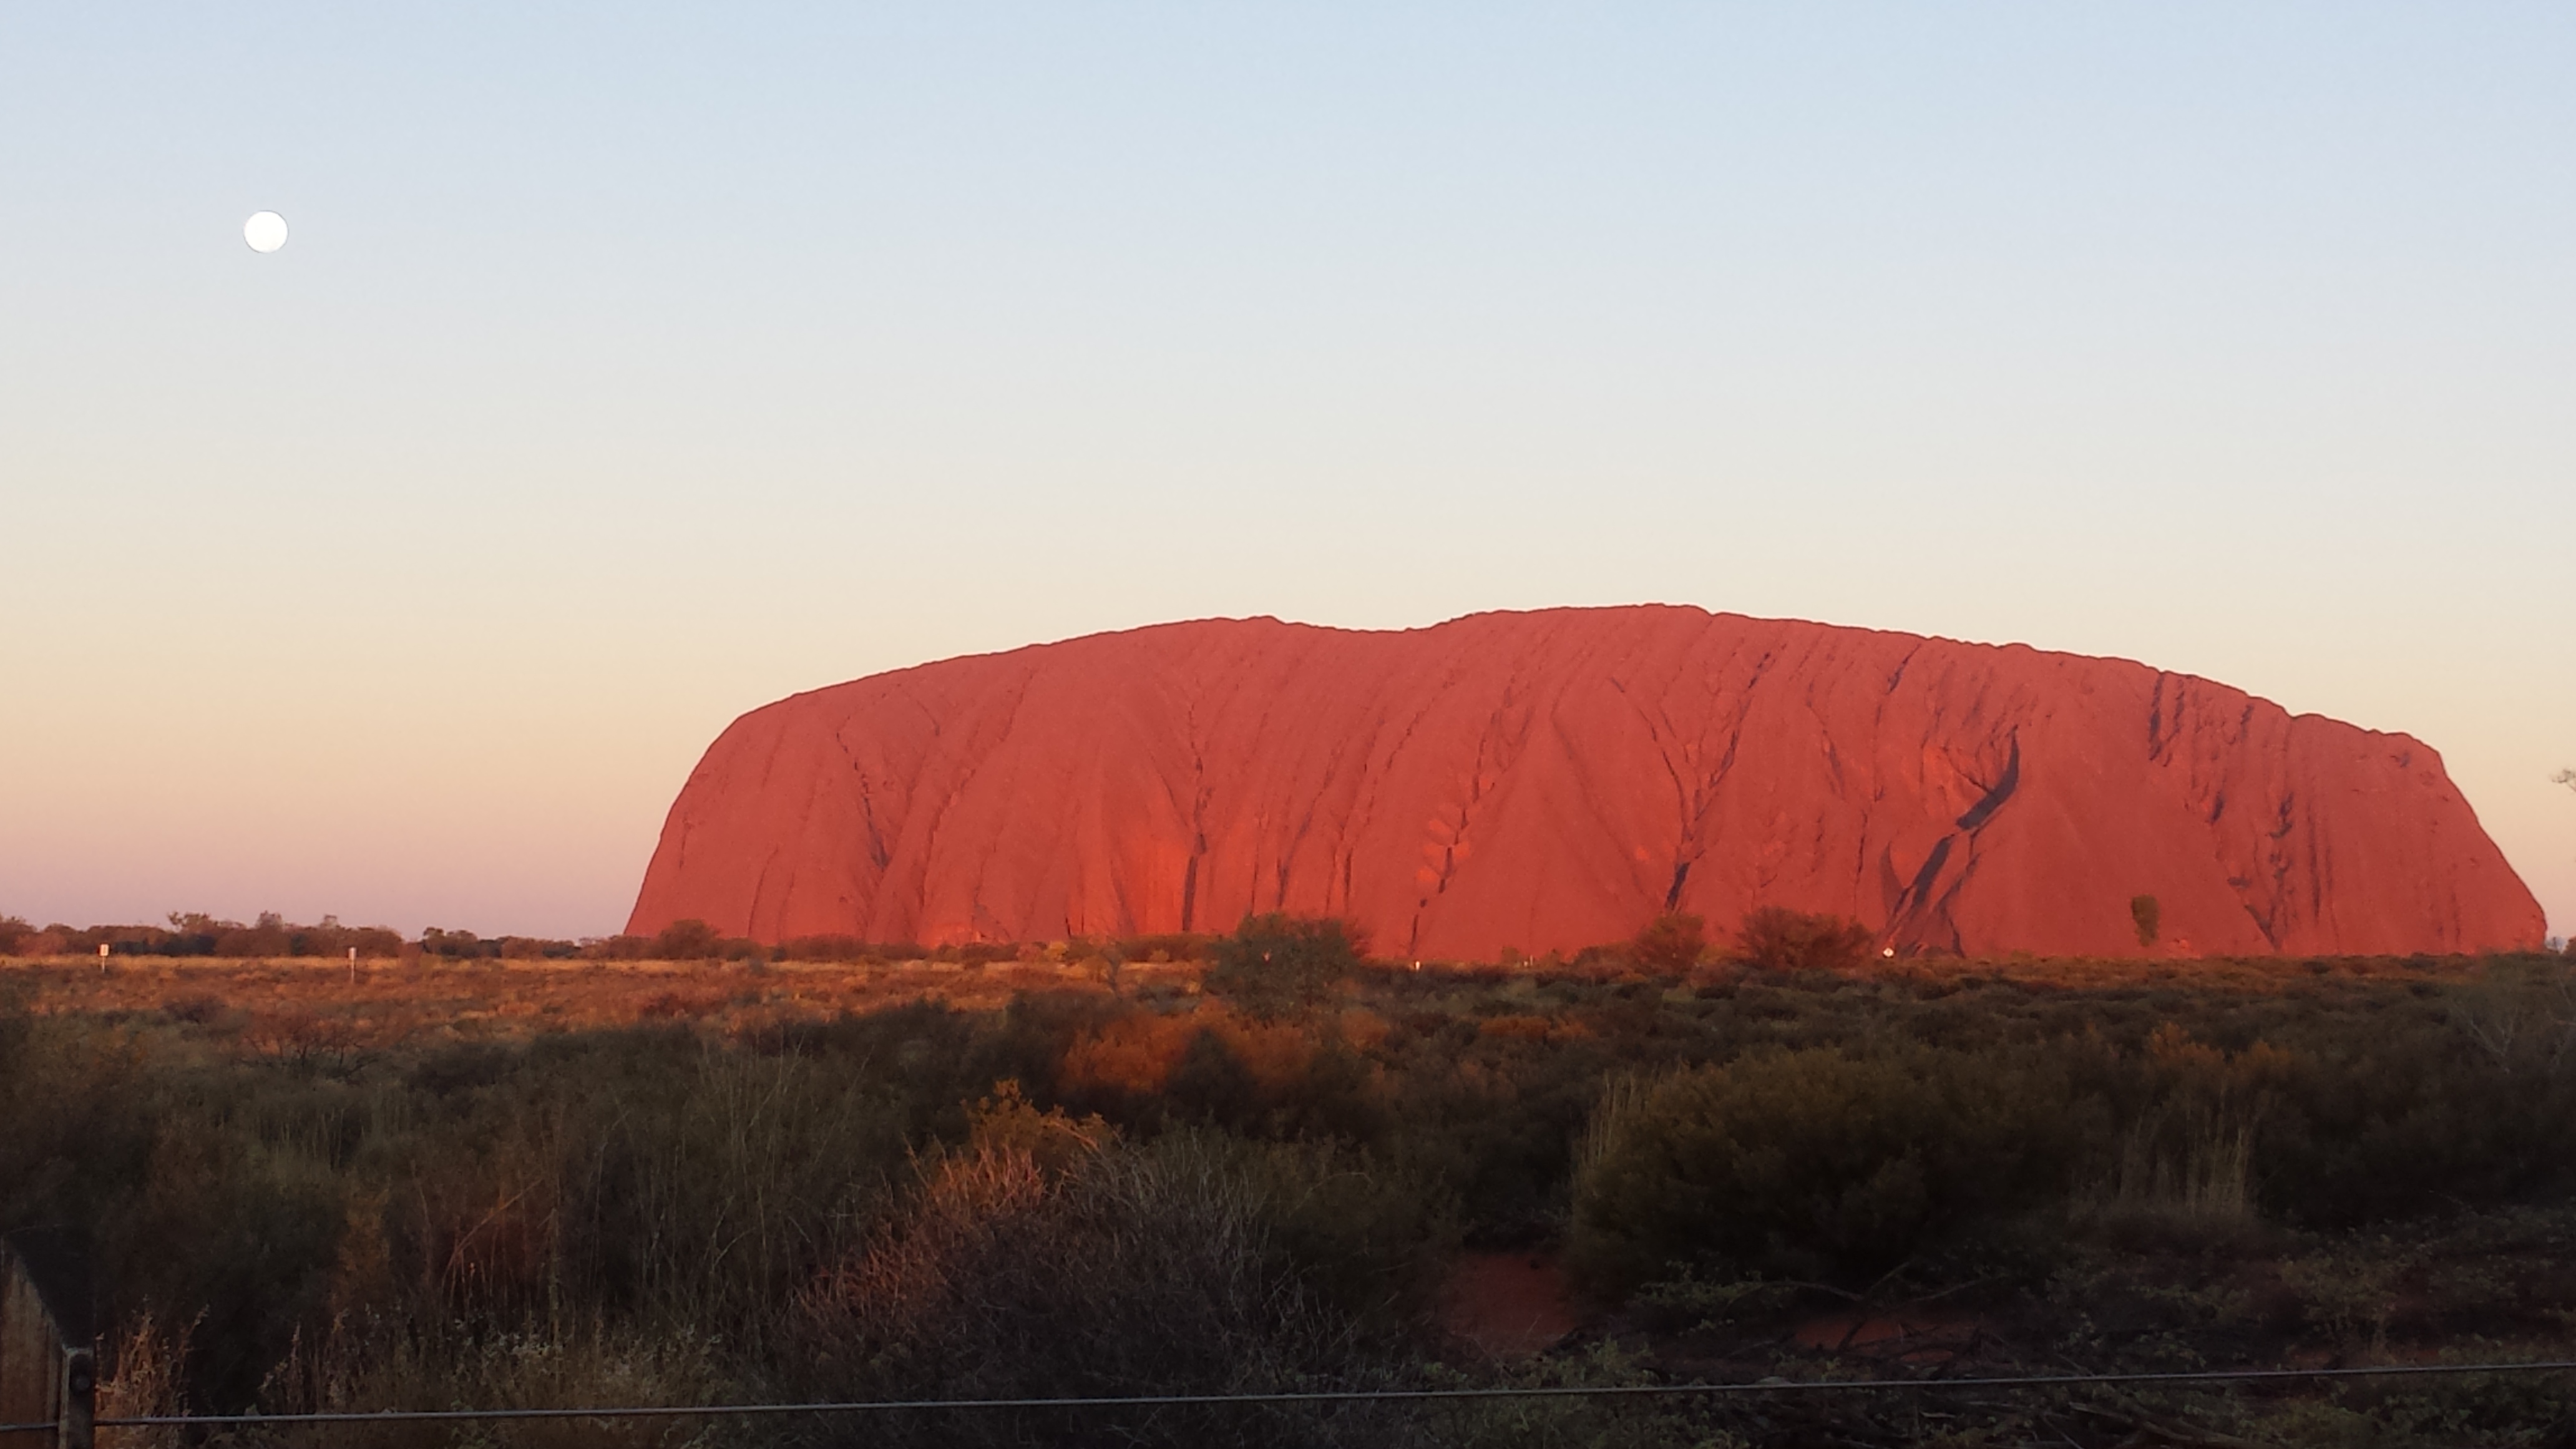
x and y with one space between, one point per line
265 231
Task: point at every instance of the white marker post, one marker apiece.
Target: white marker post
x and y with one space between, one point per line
102 958
353 965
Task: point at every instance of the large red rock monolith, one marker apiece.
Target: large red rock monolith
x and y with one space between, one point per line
1551 780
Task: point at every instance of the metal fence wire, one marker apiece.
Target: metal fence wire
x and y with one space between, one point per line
1767 1386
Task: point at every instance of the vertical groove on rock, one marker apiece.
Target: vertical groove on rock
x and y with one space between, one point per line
2002 790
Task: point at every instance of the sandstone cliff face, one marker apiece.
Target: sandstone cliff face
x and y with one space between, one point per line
1552 780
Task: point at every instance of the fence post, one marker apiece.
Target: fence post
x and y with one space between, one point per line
48 1368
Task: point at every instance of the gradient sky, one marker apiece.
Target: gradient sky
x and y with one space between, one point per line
635 365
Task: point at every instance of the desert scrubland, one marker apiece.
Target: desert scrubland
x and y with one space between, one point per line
1261 1163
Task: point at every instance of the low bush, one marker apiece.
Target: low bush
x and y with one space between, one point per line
1775 938
1276 962
695 940
1671 942
1817 1163
1158 1268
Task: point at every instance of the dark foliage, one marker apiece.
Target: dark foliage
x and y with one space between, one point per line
1277 962
1775 938
1174 1193
1820 1163
196 934
1673 941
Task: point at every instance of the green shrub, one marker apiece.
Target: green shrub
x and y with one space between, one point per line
1276 962
1815 1163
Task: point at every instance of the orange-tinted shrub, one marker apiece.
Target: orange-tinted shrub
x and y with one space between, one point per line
1775 938
1134 1054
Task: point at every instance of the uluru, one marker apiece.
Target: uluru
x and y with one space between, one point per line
1554 779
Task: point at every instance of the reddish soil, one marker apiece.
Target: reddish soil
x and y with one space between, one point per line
1507 1305
1897 1337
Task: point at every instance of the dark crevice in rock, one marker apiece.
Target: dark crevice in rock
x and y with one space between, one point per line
1921 890
1979 813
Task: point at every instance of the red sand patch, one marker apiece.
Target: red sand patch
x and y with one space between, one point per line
1508 1305
1904 1338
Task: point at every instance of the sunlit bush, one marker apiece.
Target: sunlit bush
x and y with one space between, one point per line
1775 938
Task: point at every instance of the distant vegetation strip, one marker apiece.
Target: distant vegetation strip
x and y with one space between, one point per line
1771 937
272 936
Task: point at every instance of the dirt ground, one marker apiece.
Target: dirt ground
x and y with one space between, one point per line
307 1003
293 1003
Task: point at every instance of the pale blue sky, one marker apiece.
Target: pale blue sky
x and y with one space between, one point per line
630 367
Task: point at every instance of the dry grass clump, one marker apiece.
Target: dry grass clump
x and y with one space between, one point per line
1050 1257
143 1373
2185 1167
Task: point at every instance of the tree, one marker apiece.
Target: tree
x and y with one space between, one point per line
1775 938
1276 961
1672 941
686 940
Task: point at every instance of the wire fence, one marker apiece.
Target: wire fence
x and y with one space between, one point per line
1767 1386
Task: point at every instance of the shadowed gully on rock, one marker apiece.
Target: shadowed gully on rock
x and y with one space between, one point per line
1551 780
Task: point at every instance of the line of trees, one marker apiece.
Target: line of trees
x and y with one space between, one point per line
272 935
1769 938
194 933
